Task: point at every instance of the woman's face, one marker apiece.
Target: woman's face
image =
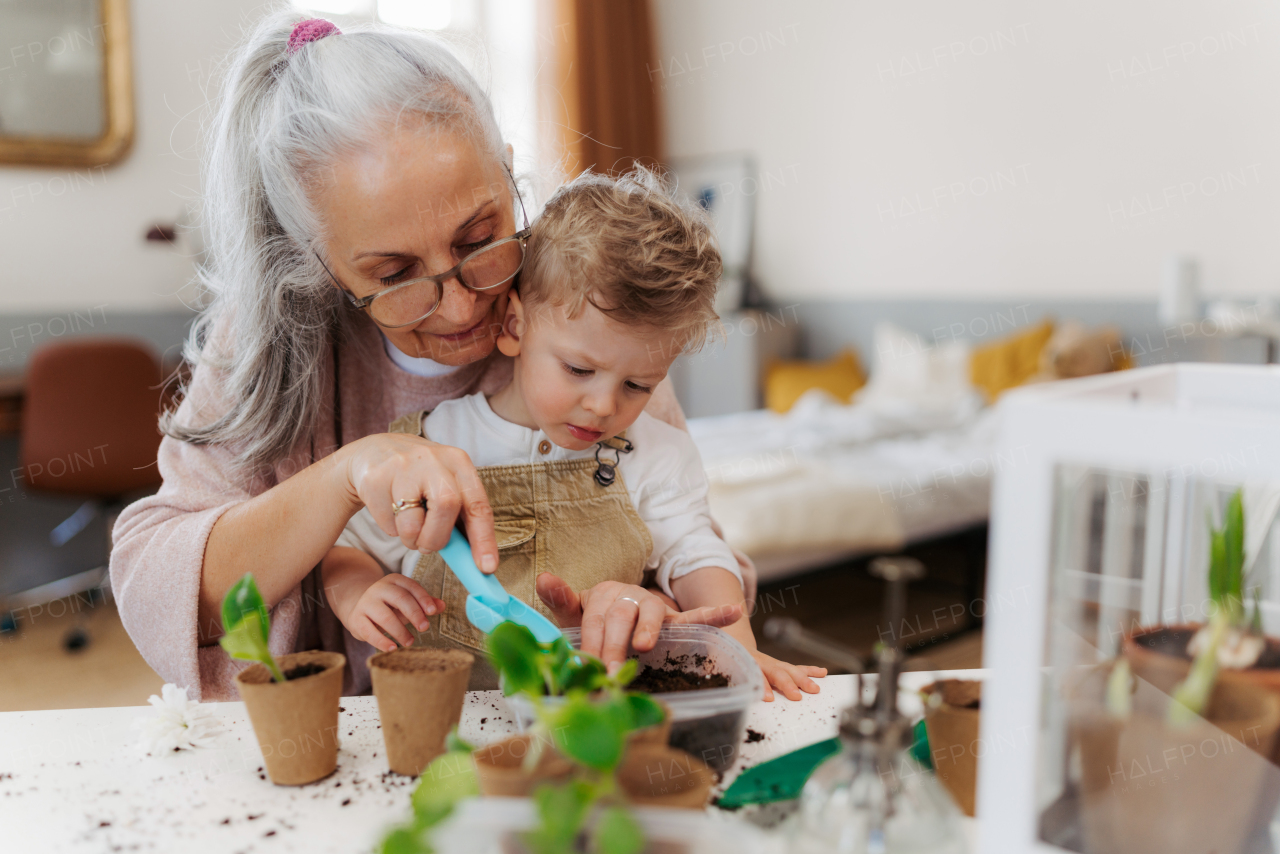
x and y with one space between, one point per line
415 203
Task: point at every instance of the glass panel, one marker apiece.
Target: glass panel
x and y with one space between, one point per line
1118 767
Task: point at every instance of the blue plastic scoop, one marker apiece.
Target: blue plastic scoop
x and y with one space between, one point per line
488 603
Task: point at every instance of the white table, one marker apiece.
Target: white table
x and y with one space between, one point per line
76 781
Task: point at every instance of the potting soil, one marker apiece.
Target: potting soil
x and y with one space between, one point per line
302 671
713 739
672 676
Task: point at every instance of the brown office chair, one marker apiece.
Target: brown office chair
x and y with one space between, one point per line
89 419
89 430
89 425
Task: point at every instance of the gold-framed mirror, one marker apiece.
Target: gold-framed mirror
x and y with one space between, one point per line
66 88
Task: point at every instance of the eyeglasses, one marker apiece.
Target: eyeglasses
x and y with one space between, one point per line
417 299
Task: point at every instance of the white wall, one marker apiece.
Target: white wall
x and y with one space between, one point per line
74 238
992 149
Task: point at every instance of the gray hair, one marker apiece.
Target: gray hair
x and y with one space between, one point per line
282 118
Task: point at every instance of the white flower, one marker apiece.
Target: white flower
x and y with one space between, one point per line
178 723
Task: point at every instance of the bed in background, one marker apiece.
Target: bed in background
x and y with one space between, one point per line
910 458
827 481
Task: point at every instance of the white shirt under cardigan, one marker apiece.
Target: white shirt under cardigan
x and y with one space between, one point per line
663 475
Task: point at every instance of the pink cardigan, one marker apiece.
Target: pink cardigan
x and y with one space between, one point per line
159 541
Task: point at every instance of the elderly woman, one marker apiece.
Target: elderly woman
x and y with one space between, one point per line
340 165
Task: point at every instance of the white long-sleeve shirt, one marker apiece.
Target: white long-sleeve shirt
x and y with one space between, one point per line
663 475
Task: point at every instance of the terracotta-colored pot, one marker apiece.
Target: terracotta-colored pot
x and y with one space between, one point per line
1167 665
296 721
651 773
420 693
1142 778
654 775
951 720
500 767
1163 662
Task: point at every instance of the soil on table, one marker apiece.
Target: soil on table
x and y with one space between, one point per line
302 671
1174 641
672 676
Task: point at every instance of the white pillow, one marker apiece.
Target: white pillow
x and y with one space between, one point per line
909 370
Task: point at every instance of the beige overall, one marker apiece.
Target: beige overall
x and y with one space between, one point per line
549 517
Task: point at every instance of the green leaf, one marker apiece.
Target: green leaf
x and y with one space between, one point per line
247 623
245 640
404 840
1217 566
1233 542
559 651
450 778
555 662
617 832
626 673
587 675
592 734
453 742
645 711
241 600
562 810
1226 560
516 655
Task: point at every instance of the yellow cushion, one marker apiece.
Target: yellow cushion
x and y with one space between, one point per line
841 376
1009 362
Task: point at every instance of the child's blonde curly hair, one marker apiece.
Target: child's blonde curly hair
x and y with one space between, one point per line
629 247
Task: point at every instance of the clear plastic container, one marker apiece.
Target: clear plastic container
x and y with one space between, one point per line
709 723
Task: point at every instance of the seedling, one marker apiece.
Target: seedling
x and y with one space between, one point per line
1226 562
449 779
247 623
589 727
1230 639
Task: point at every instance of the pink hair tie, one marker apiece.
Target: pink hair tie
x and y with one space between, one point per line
310 30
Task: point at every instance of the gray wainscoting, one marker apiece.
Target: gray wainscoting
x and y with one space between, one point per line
21 333
827 326
725 377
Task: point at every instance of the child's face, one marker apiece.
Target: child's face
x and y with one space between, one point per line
585 378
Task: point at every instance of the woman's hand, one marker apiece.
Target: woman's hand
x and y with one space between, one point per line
614 616
788 679
388 467
385 607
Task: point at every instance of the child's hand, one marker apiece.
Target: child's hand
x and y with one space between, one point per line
789 679
386 605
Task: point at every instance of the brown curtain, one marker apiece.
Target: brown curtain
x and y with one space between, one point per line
597 83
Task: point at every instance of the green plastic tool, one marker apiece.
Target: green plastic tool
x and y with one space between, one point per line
779 779
920 745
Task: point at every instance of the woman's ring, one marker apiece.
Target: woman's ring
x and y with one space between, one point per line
407 504
634 601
